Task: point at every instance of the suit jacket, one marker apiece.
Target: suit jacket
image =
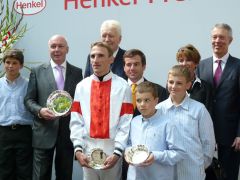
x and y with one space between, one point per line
41 85
226 99
162 95
116 67
202 92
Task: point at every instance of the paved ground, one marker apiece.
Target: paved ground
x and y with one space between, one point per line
77 172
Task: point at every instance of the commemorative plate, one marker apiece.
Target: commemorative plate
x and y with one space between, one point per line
136 154
59 102
97 158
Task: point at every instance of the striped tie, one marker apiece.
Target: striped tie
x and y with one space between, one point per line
133 88
218 73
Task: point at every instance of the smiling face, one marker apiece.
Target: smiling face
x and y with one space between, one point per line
111 37
134 68
191 65
146 104
12 67
221 40
177 87
58 49
100 60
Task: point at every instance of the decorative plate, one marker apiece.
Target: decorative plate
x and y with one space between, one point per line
97 158
137 154
59 102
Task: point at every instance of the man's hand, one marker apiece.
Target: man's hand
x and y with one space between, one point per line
47 114
82 159
110 161
236 144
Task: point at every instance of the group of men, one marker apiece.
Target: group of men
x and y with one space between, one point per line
103 108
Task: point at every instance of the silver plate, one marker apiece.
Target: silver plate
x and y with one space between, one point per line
136 154
60 102
97 158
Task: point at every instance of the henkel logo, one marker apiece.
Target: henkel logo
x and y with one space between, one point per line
29 7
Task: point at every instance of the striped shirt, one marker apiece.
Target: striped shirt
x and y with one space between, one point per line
159 136
197 136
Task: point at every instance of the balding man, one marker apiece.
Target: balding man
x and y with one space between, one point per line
51 133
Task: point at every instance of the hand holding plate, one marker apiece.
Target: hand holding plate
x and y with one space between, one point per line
82 159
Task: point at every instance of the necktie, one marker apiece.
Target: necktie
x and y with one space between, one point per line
218 73
59 77
133 88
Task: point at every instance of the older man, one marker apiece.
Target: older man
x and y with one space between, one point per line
111 34
51 133
100 117
222 71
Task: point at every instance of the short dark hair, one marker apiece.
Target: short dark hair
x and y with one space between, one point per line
148 87
14 53
190 52
104 45
133 52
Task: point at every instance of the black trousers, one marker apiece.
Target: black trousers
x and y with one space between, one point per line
43 160
230 160
16 152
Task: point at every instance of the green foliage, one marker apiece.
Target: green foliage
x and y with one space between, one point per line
11 27
61 104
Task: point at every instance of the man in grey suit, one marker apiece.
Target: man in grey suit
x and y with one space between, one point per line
51 133
222 71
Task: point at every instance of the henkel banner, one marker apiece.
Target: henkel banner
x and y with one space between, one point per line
157 27
28 7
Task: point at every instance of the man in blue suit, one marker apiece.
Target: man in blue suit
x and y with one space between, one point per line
111 34
222 71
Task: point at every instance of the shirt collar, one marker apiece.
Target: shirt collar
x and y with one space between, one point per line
105 78
115 52
197 80
224 58
138 82
183 104
53 64
152 118
15 81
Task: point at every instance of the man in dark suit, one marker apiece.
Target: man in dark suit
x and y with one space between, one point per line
112 35
222 71
134 62
51 133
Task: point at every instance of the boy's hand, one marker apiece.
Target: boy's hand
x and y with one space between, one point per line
148 161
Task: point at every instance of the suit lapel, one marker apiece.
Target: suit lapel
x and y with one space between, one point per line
209 71
50 77
69 79
227 70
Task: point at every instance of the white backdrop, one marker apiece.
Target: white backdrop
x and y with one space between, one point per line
158 29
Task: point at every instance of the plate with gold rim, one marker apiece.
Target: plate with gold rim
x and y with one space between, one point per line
137 154
97 158
60 102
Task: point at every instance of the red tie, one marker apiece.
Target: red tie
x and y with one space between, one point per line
218 73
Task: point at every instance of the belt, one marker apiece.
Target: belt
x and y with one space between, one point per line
15 126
